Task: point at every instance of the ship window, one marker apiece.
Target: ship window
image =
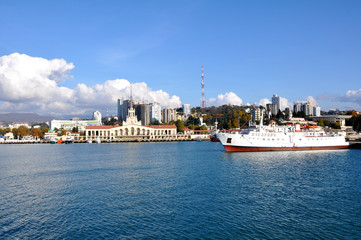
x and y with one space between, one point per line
229 140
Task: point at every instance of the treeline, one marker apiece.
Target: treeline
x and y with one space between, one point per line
25 131
354 121
227 116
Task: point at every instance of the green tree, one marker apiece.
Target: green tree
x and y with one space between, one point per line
180 126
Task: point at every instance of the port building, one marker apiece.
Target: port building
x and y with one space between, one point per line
131 130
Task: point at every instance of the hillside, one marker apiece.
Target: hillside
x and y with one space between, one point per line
24 117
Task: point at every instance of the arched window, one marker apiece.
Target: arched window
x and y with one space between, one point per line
126 131
132 131
138 131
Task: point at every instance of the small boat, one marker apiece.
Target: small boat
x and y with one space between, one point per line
98 140
60 141
89 141
68 140
52 141
214 137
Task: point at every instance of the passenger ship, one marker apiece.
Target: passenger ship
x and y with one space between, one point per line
281 138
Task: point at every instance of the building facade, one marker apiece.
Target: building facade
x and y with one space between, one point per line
169 114
186 110
155 112
256 114
132 130
276 104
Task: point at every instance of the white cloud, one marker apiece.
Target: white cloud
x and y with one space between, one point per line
229 98
285 103
353 96
263 102
31 84
312 100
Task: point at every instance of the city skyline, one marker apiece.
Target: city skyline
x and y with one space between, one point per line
73 58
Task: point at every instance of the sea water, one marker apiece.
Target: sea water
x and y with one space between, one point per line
177 190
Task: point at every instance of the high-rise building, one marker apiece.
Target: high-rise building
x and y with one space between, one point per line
277 105
97 116
186 109
143 113
169 114
256 114
307 108
316 111
120 109
297 107
275 108
155 112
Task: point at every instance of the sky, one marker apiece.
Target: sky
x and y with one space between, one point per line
75 57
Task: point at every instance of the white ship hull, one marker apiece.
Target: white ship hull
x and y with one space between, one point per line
281 139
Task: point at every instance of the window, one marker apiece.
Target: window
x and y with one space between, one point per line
229 140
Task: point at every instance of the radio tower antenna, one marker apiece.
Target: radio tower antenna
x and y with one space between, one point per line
203 98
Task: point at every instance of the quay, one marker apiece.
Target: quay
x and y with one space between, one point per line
124 140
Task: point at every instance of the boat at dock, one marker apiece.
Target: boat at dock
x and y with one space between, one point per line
281 138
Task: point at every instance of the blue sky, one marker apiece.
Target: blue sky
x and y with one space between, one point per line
251 48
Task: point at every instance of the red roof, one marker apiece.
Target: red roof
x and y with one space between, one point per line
101 127
202 131
150 126
161 126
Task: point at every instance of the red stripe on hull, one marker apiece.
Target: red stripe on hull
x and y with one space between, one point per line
258 149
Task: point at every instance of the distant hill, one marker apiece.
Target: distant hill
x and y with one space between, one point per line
24 117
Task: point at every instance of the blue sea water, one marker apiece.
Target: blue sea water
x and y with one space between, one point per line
178 190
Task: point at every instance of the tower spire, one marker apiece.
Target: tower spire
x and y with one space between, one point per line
131 95
203 98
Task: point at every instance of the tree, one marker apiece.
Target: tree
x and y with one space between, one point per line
75 130
61 132
20 131
43 130
180 126
156 122
35 132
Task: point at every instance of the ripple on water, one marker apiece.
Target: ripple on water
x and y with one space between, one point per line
177 190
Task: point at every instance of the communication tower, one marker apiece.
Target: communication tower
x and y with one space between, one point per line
203 105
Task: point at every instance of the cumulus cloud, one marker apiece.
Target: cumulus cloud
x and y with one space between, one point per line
32 84
353 96
263 102
229 98
285 103
311 100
